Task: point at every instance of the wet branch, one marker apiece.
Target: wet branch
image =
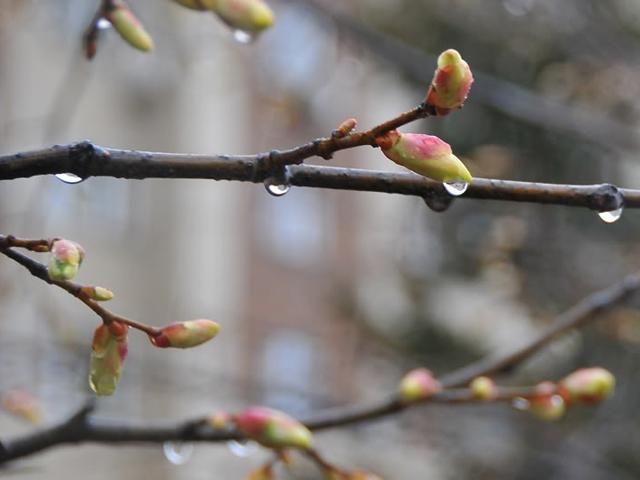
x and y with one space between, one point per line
84 427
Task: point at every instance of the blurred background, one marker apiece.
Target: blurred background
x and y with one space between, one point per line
326 298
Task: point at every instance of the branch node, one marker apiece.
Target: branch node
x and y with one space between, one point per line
606 198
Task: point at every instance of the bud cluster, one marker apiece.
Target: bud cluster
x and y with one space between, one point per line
64 260
108 352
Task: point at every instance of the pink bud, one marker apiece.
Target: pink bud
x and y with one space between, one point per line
64 260
417 385
272 428
108 352
451 83
483 388
424 154
186 334
587 385
22 404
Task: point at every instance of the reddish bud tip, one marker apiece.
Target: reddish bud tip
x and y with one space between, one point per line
186 334
272 428
451 83
587 385
417 385
219 420
547 407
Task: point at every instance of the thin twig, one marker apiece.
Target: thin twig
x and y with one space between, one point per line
96 430
40 271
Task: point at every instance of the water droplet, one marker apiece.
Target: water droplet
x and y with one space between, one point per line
438 202
177 453
242 448
277 186
455 188
244 37
103 24
611 216
70 178
520 403
557 400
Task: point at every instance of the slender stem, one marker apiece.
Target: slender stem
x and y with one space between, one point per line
40 271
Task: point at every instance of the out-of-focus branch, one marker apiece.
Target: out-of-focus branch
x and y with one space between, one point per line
83 427
86 159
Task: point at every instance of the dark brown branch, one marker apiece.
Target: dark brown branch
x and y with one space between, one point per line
86 159
93 429
40 271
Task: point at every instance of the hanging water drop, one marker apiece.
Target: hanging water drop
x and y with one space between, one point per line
277 185
455 188
69 178
520 403
612 215
241 449
103 24
177 453
242 36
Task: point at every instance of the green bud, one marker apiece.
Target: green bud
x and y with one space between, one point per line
129 27
108 352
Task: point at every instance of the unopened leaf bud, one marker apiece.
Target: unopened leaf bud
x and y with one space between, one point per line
128 26
417 385
273 428
247 15
345 128
547 407
263 473
219 420
587 385
22 404
198 4
99 294
451 83
424 154
64 260
186 334
483 388
108 352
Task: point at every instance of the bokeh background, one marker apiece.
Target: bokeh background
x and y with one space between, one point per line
326 298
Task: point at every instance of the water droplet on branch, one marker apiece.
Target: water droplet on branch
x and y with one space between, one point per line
69 178
455 188
177 453
520 403
103 24
611 216
242 448
243 37
278 184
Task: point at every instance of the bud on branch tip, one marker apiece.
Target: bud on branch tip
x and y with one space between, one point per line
64 260
424 154
248 15
186 334
587 385
417 385
128 26
451 83
272 428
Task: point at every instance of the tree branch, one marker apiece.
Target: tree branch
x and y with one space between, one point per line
86 159
83 427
